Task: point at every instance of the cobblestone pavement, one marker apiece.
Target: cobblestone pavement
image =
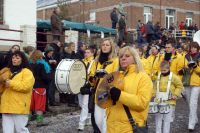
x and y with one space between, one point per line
68 122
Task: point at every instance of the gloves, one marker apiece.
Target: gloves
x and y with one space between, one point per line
115 94
85 89
192 65
100 73
181 72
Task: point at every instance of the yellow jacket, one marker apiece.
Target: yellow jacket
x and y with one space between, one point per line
146 65
87 61
114 66
17 98
195 73
136 95
175 63
175 88
154 62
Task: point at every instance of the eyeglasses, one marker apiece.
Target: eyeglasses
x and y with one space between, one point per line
167 47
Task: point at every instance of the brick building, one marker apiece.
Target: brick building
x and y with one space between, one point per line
98 11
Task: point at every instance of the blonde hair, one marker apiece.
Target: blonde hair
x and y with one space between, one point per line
112 53
36 55
136 57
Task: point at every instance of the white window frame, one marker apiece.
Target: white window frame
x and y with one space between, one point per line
173 17
189 18
92 16
147 15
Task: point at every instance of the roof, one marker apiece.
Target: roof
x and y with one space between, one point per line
43 3
45 24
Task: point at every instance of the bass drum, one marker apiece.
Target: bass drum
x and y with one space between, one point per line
70 76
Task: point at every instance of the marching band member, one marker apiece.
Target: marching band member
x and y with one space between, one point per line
133 99
192 61
16 90
105 62
168 88
154 59
84 96
145 62
172 57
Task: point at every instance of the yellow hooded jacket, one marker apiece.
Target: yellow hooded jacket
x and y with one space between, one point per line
136 95
17 98
114 66
175 88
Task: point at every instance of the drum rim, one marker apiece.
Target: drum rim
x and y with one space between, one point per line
56 78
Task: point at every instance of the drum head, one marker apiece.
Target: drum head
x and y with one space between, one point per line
77 77
114 79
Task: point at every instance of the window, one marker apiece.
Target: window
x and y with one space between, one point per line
93 16
189 16
170 15
147 14
1 11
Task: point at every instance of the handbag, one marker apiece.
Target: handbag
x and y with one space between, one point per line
136 128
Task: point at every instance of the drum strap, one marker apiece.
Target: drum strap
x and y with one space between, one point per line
133 123
89 65
168 84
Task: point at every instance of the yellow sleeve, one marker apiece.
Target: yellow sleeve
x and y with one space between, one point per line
139 101
178 85
25 84
115 64
197 69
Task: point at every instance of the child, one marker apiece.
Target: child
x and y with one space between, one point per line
168 89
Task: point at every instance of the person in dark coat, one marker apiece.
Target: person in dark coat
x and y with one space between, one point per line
149 29
56 24
41 71
81 51
48 57
122 28
69 53
114 17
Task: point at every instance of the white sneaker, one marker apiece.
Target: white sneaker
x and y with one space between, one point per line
80 127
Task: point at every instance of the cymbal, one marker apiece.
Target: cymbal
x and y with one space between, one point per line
103 98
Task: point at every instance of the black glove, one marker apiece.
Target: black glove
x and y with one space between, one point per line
85 89
115 94
181 72
100 73
192 65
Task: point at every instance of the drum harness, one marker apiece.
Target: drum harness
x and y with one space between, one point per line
162 97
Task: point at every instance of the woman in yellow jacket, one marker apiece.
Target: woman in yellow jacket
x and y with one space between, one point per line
145 62
105 63
136 95
167 89
16 92
84 96
154 60
192 89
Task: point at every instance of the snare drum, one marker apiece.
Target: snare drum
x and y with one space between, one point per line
70 76
153 108
164 108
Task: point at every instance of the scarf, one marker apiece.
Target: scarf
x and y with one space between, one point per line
46 65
